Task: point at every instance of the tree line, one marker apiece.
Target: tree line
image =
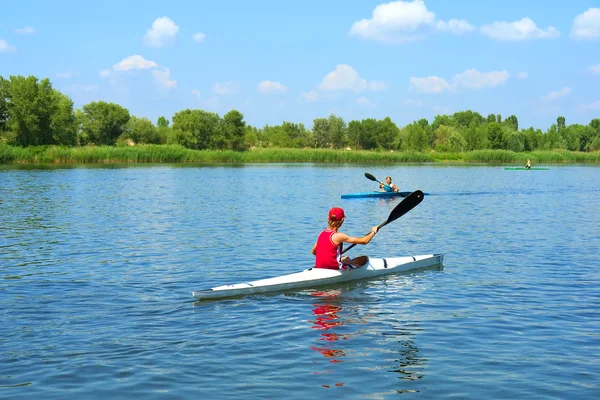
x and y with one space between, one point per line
33 113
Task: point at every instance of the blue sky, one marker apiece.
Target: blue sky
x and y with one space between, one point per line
295 61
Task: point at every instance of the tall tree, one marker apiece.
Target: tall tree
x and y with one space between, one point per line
321 132
235 127
512 122
31 107
197 129
104 122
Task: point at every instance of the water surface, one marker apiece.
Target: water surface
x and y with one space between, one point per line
97 266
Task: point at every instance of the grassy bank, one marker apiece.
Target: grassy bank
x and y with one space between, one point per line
178 154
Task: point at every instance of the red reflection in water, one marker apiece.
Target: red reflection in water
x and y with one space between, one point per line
327 318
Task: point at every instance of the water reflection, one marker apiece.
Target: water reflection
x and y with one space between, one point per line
388 341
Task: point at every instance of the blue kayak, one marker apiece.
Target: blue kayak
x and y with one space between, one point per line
376 194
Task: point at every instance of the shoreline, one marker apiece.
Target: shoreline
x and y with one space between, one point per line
156 154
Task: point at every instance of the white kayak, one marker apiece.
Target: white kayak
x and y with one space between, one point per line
317 276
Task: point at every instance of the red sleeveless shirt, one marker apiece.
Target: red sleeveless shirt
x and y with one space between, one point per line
328 253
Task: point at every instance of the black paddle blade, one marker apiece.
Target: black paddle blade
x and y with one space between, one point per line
407 204
371 177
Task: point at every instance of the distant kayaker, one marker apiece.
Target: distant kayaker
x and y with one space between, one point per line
528 164
329 244
388 186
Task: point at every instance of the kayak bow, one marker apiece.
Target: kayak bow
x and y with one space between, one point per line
313 277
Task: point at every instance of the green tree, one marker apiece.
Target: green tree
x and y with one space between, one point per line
560 122
456 142
464 119
416 138
354 132
369 133
495 135
321 132
337 131
142 130
388 131
532 139
104 122
197 129
512 122
442 133
31 107
3 104
491 118
514 141
234 128
63 123
476 136
162 122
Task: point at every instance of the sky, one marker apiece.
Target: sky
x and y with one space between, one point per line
295 61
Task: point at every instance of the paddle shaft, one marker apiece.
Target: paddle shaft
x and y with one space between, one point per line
407 204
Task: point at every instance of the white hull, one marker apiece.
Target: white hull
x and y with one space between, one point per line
316 277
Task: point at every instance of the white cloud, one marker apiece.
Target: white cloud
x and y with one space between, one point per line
455 26
344 77
26 30
552 96
593 106
199 37
430 84
162 77
523 29
224 88
587 25
162 34
5 47
266 87
469 79
522 75
134 62
595 69
196 92
473 79
365 102
161 74
310 97
402 21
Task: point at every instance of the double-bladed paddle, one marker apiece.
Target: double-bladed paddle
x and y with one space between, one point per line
371 177
407 204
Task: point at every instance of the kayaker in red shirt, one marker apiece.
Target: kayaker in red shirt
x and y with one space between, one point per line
329 244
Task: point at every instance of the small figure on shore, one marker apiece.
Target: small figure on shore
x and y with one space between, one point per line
528 164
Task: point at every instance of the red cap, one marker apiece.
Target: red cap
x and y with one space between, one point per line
336 214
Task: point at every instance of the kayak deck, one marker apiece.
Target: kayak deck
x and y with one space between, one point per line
525 169
376 194
313 277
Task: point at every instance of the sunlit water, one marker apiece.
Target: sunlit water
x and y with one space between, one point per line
97 266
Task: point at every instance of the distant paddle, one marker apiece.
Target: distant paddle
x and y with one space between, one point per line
407 204
371 177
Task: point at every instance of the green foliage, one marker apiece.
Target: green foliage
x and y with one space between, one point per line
34 114
495 135
233 129
197 129
142 131
102 123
